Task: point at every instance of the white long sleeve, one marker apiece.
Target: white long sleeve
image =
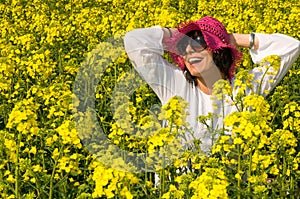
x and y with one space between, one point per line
145 50
287 48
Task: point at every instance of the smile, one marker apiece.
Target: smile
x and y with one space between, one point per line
194 60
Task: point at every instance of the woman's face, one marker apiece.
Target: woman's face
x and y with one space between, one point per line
198 60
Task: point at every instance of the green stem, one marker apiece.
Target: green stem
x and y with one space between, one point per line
53 172
249 172
223 115
261 81
162 178
51 180
239 168
282 191
146 168
17 183
292 187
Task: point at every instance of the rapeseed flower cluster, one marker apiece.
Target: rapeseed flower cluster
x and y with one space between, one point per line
45 44
212 183
250 148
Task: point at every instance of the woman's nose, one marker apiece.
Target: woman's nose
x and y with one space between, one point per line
189 50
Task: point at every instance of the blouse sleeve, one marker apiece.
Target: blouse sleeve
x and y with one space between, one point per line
286 47
145 50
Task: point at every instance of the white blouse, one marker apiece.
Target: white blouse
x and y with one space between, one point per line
145 50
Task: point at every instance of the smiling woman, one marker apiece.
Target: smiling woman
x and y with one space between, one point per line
218 56
205 53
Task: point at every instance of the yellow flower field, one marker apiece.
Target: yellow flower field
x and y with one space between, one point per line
76 122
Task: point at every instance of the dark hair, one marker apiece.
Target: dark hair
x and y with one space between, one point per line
223 58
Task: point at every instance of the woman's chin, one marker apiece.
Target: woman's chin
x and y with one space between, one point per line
195 73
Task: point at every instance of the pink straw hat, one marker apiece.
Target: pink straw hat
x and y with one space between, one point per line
215 36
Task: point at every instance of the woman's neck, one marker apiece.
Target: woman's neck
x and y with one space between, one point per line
204 87
205 82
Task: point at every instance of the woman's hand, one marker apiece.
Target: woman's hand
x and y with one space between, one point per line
169 33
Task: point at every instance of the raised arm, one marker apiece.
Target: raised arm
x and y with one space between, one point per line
286 47
145 49
243 40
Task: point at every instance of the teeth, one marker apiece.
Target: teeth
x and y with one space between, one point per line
194 60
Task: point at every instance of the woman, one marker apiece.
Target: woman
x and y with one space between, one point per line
205 53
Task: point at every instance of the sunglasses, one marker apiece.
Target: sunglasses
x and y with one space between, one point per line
196 41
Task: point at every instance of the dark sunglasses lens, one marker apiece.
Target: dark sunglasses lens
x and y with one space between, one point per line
198 42
195 43
182 45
